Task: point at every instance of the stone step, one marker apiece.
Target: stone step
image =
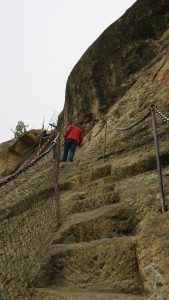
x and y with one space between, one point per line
129 166
94 188
108 265
104 222
66 294
73 177
94 197
106 192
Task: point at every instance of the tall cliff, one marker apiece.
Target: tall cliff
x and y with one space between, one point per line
113 63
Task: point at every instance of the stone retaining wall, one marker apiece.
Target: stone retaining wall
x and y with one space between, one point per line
28 217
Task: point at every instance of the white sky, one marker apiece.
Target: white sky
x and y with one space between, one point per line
41 41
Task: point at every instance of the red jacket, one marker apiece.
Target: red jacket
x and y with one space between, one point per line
74 132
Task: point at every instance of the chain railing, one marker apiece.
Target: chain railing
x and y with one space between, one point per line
159 113
152 111
131 126
29 206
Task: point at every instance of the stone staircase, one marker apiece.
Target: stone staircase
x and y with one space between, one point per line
93 254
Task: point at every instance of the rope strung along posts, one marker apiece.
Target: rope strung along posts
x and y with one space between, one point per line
160 179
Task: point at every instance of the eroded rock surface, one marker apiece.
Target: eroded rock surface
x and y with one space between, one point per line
112 236
104 205
13 153
114 62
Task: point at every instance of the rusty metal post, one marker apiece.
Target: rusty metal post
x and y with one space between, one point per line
105 140
160 179
56 160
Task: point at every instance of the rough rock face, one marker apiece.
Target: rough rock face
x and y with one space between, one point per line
13 153
123 72
113 241
113 237
112 65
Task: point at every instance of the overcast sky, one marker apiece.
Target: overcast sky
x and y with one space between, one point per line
41 41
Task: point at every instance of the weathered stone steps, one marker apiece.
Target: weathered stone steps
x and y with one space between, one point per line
105 222
71 177
105 191
95 249
80 202
108 265
105 172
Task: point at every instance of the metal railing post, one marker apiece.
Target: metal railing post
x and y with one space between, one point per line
56 159
105 140
160 179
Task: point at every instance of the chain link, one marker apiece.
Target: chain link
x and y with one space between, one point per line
123 128
163 117
130 126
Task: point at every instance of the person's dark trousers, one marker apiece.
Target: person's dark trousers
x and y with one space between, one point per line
69 147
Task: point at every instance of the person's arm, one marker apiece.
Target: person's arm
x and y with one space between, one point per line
68 129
